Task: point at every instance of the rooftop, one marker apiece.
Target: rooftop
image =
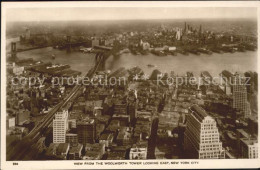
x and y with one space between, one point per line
86 121
206 74
52 149
138 150
71 134
76 149
227 74
243 132
95 146
249 141
106 136
63 147
198 112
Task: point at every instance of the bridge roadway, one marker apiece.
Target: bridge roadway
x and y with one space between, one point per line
72 44
19 151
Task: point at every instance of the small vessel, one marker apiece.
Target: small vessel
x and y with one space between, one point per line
183 52
196 52
172 53
204 50
216 50
133 52
241 49
143 52
53 56
228 49
150 65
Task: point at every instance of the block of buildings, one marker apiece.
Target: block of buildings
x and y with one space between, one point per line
63 150
124 136
138 153
94 151
107 139
75 152
117 153
123 119
22 116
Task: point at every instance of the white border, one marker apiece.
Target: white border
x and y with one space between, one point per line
236 163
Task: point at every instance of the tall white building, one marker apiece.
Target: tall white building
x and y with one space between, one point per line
201 137
178 34
249 148
60 126
240 97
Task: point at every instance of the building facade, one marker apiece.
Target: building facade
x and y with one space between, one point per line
240 98
60 126
249 148
72 139
201 137
86 130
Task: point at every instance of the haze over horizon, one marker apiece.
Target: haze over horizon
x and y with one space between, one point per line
92 14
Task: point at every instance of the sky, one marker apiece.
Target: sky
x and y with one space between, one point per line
129 13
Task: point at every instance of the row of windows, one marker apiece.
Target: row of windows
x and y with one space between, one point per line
209 135
210 149
209 153
59 139
213 141
215 131
214 147
209 138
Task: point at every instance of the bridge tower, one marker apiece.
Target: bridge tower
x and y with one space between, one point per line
13 50
68 44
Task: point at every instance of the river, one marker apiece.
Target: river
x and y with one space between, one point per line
215 63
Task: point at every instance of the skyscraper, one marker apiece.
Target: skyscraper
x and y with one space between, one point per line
200 30
60 126
240 97
86 130
249 148
201 137
178 34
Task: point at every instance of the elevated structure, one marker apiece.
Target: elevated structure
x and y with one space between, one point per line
102 48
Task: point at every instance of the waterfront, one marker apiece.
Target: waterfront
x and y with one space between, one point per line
180 64
77 60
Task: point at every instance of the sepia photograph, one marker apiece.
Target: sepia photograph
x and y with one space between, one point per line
127 84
